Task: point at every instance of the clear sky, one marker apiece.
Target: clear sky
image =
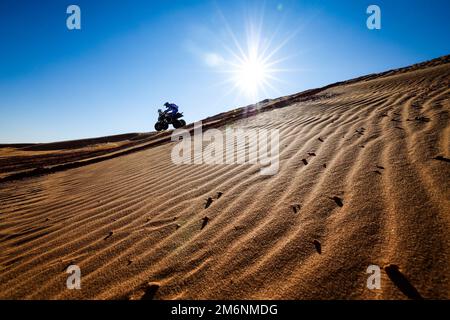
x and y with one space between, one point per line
131 56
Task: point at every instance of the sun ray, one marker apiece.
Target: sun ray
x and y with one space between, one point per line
231 33
253 65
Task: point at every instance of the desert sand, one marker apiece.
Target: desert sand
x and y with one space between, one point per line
363 180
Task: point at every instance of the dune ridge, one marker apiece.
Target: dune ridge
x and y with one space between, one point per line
373 189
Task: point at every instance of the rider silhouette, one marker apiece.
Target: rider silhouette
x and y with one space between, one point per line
171 108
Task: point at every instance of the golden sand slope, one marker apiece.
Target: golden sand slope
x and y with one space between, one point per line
375 190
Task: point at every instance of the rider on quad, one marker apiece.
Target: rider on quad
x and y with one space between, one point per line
169 116
171 109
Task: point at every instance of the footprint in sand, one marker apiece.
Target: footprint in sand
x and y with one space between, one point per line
208 202
378 171
109 235
399 279
442 158
318 246
205 222
296 208
146 291
422 119
338 201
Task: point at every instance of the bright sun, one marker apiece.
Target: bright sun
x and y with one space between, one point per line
253 62
252 71
251 75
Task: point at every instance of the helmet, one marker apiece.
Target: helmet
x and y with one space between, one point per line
166 104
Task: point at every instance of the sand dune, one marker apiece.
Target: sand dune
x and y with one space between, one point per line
363 180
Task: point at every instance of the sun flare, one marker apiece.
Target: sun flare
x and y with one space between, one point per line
252 60
252 72
251 75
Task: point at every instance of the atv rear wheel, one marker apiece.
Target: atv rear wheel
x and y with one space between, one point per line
178 124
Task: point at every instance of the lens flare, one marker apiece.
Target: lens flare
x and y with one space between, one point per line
251 75
253 63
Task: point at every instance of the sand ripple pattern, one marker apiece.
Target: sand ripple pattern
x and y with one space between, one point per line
375 190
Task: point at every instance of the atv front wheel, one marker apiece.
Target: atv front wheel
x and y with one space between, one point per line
177 124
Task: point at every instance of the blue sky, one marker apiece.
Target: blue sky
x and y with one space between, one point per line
130 57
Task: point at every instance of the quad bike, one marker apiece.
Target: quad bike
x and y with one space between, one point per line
164 119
